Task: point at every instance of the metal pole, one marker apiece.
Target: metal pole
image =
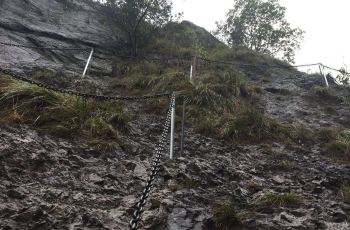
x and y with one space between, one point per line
320 66
172 131
183 127
191 74
194 70
88 62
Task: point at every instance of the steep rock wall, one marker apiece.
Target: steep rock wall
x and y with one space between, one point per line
58 23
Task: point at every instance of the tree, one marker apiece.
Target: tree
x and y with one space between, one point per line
138 19
260 25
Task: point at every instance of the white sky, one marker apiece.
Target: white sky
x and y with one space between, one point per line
326 23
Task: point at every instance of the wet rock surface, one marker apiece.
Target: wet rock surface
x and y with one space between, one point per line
48 183
53 23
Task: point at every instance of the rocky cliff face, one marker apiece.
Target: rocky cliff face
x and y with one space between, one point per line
57 23
52 183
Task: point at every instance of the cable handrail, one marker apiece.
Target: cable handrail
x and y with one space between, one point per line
181 58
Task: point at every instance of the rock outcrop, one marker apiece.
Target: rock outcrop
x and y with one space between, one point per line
54 23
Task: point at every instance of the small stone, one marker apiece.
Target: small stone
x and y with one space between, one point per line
116 213
78 196
286 217
298 212
140 171
278 179
96 179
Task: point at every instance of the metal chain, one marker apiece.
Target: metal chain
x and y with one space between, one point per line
83 95
38 47
139 208
180 58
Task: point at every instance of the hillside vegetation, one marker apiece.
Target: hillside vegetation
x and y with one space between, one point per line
266 146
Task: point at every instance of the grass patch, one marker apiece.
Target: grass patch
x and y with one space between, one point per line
226 217
327 134
59 114
339 148
321 91
330 110
325 94
103 145
277 200
208 124
283 165
186 184
250 125
346 192
299 133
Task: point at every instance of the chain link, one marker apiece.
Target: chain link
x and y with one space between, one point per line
160 149
38 47
83 95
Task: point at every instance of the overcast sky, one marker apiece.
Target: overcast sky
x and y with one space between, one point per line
326 23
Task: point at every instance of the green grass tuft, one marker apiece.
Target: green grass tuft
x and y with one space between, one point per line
290 199
226 217
250 125
339 148
59 114
346 192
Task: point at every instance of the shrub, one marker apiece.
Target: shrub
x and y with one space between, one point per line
226 217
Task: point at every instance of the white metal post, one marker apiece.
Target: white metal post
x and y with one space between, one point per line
172 131
183 127
322 73
191 74
88 62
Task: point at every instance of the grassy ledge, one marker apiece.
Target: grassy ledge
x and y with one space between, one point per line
62 115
